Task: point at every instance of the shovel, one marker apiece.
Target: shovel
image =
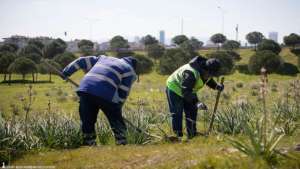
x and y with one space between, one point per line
215 109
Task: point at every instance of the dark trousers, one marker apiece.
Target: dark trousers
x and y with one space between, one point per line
177 105
89 106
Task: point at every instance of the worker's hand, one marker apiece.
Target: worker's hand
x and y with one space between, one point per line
201 106
220 87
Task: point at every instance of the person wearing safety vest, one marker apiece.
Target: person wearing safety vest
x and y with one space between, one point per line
182 87
105 86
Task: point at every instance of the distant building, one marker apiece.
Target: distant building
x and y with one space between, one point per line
104 46
137 39
162 37
72 46
273 36
210 44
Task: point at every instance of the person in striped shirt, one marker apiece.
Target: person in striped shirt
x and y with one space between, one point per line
105 86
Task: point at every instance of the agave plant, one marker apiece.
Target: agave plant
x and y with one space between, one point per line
231 119
260 145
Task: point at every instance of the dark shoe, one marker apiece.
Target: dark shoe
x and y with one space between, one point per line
121 142
174 139
91 142
196 135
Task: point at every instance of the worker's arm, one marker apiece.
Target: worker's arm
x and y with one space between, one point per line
126 83
188 83
85 63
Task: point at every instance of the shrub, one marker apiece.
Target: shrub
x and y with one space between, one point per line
235 56
268 44
231 45
239 84
144 65
227 62
171 60
267 59
64 59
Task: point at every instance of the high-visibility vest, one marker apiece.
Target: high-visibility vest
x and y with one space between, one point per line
174 81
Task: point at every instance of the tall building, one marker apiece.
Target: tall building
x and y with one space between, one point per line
162 37
273 36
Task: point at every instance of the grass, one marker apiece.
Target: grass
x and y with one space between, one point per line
148 97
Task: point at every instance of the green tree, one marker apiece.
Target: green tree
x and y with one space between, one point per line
292 40
155 51
227 61
149 40
56 47
171 60
254 38
179 39
43 68
64 59
231 45
36 43
144 65
267 59
118 43
6 58
23 66
86 47
196 43
188 49
218 39
268 44
9 47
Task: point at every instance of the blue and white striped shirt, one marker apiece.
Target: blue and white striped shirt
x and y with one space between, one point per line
107 77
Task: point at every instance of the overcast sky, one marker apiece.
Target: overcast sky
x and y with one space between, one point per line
100 20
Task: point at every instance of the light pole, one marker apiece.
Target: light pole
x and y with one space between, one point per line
223 18
181 24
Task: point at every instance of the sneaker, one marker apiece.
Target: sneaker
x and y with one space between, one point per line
174 139
121 142
196 135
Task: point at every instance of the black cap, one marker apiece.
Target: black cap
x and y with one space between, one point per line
213 66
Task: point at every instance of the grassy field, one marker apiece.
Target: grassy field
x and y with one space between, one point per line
201 152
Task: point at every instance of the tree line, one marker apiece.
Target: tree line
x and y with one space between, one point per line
30 59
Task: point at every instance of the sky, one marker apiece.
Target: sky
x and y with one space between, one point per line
100 20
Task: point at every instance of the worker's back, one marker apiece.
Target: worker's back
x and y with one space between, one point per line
110 78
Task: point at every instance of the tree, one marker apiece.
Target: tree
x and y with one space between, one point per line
227 61
155 51
179 39
292 40
254 38
218 39
23 66
118 43
9 47
56 47
36 43
43 68
64 59
86 47
196 43
267 59
6 58
144 65
149 40
171 60
231 45
188 49
268 44
30 49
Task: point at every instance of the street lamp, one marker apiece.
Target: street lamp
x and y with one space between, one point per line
223 19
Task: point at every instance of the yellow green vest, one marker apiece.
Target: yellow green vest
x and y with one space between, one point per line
175 80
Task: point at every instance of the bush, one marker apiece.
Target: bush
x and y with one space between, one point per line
64 59
171 60
227 62
268 44
267 59
235 56
144 65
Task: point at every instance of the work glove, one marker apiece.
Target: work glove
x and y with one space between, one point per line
220 87
201 106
